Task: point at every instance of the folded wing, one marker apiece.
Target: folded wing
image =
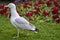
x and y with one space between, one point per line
24 24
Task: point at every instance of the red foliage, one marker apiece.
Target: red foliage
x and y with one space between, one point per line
55 16
40 2
52 0
54 11
3 11
25 6
16 3
36 12
25 3
58 21
59 5
37 9
36 4
30 19
56 3
49 3
29 13
45 13
1 6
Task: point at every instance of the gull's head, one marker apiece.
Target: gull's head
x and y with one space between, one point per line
11 5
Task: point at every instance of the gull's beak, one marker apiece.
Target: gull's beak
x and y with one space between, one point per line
6 6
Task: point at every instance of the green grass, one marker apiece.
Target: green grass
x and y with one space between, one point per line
48 31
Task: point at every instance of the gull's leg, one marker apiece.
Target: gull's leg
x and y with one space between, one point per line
17 33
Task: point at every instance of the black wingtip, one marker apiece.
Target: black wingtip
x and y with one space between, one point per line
36 30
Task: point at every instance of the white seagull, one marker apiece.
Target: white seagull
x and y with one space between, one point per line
18 21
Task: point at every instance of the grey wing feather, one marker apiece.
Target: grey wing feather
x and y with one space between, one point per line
21 21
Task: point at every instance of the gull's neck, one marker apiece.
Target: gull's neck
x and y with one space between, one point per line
14 12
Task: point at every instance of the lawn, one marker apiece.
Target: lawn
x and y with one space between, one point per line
48 31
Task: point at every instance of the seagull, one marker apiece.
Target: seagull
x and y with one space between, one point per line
18 21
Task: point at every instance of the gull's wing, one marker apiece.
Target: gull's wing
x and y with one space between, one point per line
21 20
24 24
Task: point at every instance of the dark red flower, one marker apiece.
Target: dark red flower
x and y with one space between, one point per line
29 13
56 3
16 3
25 6
3 11
37 9
45 13
30 19
36 12
36 4
1 6
25 3
51 0
40 2
55 16
54 11
49 3
58 21
59 5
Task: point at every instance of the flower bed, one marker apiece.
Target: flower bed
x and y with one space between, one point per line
42 11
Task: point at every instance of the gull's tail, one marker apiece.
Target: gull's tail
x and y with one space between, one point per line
36 30
33 28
